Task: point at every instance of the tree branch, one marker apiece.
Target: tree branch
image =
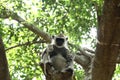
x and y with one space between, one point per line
5 13
26 43
89 50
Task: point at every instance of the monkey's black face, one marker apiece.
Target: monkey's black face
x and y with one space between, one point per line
60 41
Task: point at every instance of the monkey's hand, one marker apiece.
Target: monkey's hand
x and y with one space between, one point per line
70 57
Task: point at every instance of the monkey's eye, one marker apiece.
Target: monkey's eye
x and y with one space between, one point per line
59 41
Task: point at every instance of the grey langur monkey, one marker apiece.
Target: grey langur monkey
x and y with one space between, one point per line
57 53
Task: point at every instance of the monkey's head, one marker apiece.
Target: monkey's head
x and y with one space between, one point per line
60 40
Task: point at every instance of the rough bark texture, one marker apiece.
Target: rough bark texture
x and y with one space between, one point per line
4 72
108 41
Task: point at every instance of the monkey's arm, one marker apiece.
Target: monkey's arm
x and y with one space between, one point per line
68 56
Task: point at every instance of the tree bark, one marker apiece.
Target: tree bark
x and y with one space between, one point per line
4 72
56 75
108 41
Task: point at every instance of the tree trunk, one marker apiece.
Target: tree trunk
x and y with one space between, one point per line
108 41
4 72
55 75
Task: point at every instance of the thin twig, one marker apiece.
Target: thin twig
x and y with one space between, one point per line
26 43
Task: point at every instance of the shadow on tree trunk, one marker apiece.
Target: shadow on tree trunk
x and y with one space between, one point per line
4 72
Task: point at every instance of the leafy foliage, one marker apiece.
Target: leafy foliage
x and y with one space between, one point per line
75 18
117 72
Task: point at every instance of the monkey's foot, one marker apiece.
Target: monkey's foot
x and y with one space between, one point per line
49 63
69 70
